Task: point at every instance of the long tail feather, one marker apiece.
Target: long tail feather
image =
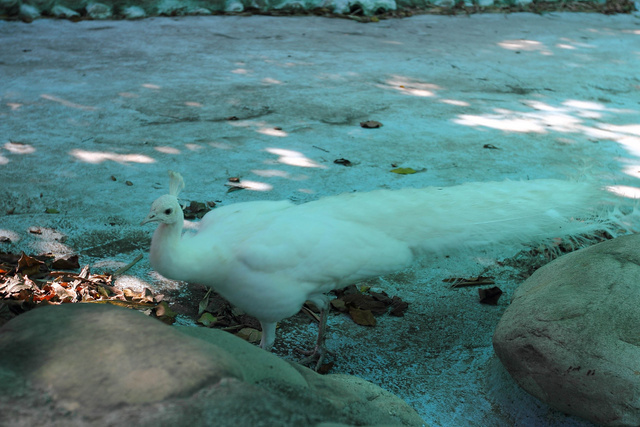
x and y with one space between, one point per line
509 212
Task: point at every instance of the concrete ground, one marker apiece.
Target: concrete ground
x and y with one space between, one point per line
93 114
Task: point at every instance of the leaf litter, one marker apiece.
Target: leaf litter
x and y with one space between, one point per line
28 282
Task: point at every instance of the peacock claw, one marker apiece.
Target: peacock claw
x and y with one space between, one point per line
314 357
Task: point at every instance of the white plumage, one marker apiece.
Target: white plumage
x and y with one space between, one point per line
268 258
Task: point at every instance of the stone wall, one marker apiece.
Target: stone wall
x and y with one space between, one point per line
27 10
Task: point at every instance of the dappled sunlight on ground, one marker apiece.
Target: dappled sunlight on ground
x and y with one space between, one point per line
95 157
409 86
571 116
261 127
129 282
167 150
256 185
221 145
49 240
525 45
10 234
455 102
293 158
270 81
19 148
625 191
67 103
15 148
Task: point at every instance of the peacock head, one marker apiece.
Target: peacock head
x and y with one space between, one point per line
166 209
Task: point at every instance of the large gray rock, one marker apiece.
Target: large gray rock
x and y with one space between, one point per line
91 364
571 336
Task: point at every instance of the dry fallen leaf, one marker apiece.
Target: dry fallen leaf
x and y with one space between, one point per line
343 162
490 296
250 334
67 262
30 266
403 171
362 317
204 303
164 313
207 319
371 124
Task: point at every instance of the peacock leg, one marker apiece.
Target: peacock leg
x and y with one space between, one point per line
317 355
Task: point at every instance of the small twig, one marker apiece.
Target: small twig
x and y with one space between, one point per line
121 270
306 310
468 284
233 328
459 282
320 148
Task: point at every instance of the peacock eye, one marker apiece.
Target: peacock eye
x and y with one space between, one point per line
167 211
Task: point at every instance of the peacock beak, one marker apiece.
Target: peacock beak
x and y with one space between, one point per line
150 218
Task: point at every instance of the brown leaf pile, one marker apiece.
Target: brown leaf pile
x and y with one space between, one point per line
27 282
216 312
363 307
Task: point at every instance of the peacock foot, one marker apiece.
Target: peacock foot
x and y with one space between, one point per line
314 357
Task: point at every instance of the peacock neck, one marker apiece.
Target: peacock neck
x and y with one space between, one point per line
165 250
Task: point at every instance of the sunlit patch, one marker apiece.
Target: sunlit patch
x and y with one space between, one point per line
192 104
501 123
3 160
256 186
128 95
628 129
151 86
10 234
240 71
194 147
293 158
589 114
392 42
130 282
411 87
245 123
96 157
161 282
455 102
637 32
167 150
19 148
565 46
306 190
630 143
14 106
633 170
49 240
540 106
595 133
522 44
560 122
270 81
584 105
268 173
272 132
260 127
67 103
221 145
625 191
